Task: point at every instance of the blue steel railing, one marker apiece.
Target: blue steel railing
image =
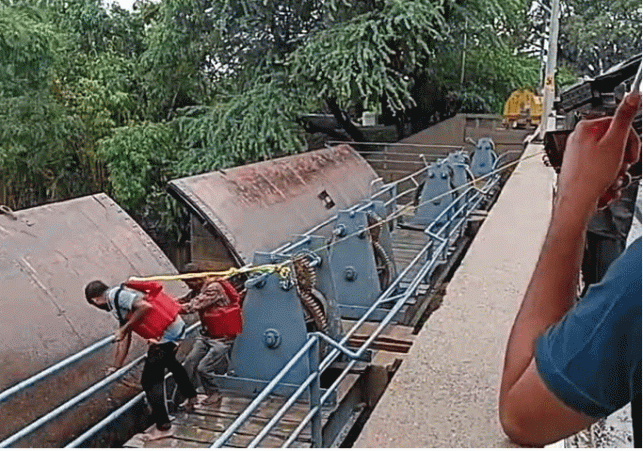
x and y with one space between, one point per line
25 431
44 374
441 232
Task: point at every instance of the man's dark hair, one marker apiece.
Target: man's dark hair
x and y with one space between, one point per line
94 289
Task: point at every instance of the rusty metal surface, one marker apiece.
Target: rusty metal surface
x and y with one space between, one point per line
47 255
258 207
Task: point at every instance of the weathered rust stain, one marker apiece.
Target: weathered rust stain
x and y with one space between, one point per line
46 258
273 181
262 204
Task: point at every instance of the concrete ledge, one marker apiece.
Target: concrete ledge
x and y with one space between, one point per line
445 392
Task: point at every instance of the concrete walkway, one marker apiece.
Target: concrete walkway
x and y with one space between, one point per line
445 392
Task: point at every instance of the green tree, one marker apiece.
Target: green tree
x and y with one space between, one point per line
373 56
35 164
597 34
98 98
140 161
498 57
256 124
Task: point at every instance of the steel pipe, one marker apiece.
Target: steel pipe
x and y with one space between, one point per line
295 433
55 368
263 395
69 404
76 399
282 411
105 421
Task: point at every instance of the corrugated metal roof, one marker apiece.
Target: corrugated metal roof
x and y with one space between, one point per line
260 206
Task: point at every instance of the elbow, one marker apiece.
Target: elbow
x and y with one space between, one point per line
512 428
519 427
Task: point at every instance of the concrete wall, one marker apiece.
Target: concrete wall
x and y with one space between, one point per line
396 161
445 393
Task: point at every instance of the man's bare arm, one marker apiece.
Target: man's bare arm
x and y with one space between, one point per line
549 296
598 152
122 349
139 308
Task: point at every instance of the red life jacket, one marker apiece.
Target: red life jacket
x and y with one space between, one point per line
164 310
223 321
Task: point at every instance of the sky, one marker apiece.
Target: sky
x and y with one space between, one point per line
126 4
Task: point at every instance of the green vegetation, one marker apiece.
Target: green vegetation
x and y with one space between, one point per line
97 98
597 34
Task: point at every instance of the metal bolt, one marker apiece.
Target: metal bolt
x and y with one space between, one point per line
316 260
431 175
350 274
256 282
272 338
286 284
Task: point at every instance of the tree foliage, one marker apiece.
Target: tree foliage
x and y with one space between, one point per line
34 129
98 98
256 124
373 56
140 161
597 34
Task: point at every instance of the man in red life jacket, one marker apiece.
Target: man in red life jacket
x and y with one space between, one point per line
211 299
144 308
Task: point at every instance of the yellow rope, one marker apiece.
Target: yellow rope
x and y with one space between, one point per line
281 269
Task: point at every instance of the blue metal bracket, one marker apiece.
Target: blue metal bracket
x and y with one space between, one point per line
433 198
352 262
385 236
318 248
458 162
388 195
484 158
461 175
273 329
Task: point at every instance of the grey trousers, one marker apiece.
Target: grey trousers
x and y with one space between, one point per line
208 357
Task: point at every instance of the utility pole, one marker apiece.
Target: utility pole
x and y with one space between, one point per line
464 54
549 86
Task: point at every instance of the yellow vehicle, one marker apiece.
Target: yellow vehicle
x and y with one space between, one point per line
523 109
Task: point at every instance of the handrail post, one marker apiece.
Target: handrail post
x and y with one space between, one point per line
315 395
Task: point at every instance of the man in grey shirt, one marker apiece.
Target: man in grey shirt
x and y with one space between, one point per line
130 308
